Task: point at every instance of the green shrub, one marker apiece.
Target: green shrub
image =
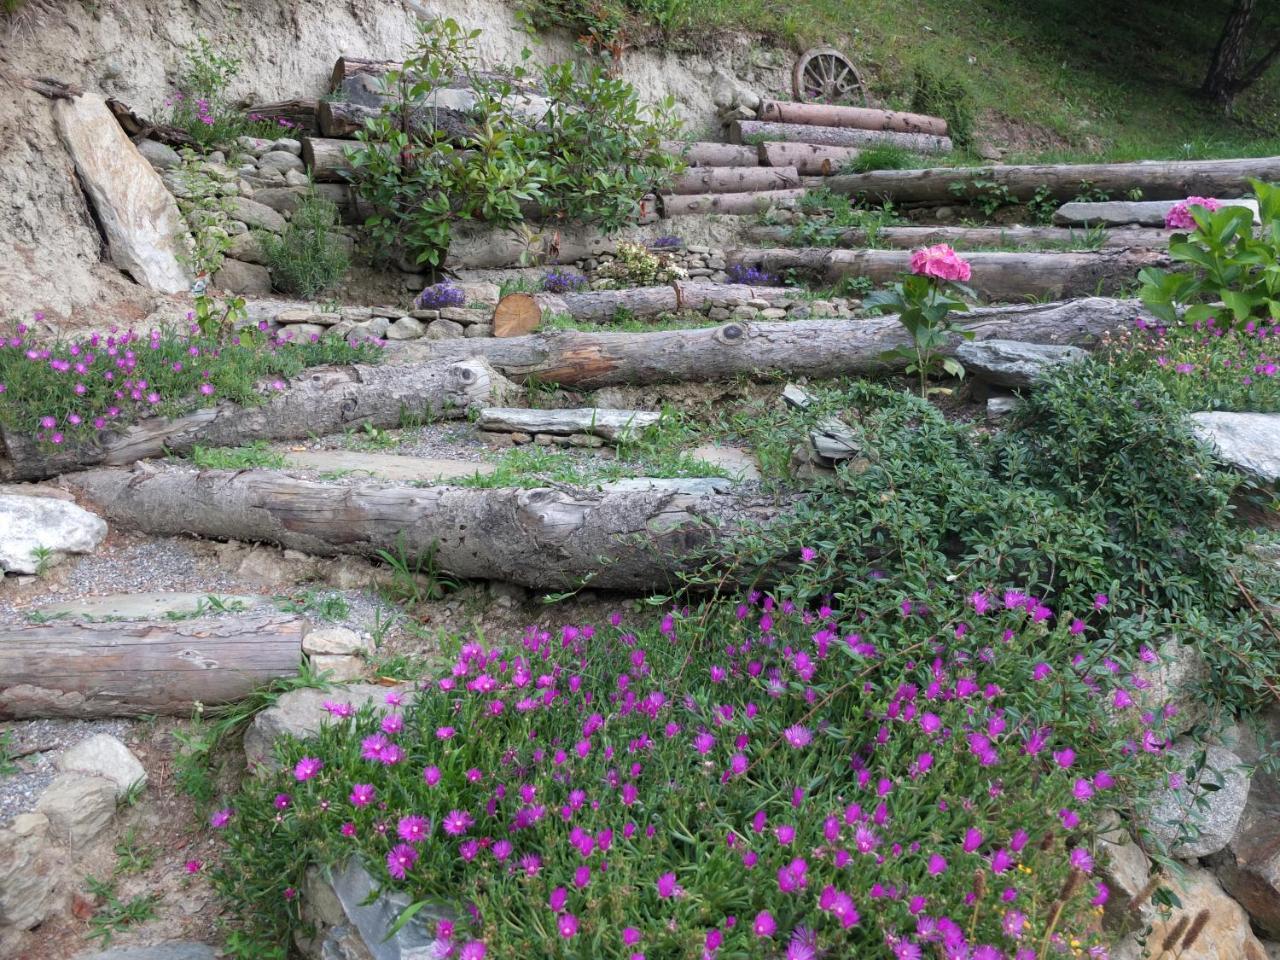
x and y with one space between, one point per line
201 105
308 258
943 94
884 156
590 158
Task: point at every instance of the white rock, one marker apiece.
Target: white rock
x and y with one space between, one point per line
300 713
337 641
1250 442
104 756
28 524
138 214
338 669
79 806
1012 363
1214 823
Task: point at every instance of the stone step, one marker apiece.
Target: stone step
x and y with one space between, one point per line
1117 213
149 606
384 466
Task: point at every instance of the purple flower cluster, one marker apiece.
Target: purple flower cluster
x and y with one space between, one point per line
666 242
555 281
751 276
440 295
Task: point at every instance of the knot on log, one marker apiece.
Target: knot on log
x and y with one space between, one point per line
348 408
465 373
732 333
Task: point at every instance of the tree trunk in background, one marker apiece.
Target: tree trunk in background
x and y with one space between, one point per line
1228 76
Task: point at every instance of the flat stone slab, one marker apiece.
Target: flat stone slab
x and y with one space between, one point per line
1013 363
1250 442
688 486
1116 213
178 950
739 464
385 466
598 421
147 606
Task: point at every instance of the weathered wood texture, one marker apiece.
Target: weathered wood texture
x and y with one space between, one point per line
996 276
814 348
69 669
966 238
601 305
598 421
323 400
301 114
631 535
857 118
326 159
706 154
734 179
1158 180
811 159
749 131
737 203
344 120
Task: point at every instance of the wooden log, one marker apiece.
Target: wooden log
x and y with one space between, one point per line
856 118
757 131
811 159
1157 179
322 400
70 669
602 305
996 276
967 238
703 154
326 159
753 179
601 422
300 114
819 348
632 535
518 314
345 120
734 203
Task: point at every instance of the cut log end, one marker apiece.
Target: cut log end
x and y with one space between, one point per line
516 315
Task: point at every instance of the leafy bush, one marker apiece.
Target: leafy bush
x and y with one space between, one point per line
729 781
635 266
590 157
1231 263
308 258
608 25
71 391
943 94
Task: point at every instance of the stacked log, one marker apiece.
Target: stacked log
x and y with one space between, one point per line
996 276
735 203
704 154
757 131
967 238
300 114
344 120
1157 179
854 118
752 179
811 159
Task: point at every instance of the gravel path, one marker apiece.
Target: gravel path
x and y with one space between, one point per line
48 738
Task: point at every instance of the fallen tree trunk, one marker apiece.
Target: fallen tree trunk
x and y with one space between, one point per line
301 114
966 238
345 120
633 535
1157 179
751 179
687 205
323 400
64 669
811 159
326 159
996 276
814 348
749 131
705 154
857 118
601 305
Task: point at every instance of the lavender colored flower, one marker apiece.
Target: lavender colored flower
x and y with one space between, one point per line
751 276
441 295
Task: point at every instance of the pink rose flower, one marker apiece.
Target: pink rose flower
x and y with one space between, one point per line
941 262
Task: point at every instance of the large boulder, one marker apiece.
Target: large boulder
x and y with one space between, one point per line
253 213
1208 808
1249 867
31 525
139 216
1250 442
79 807
1012 363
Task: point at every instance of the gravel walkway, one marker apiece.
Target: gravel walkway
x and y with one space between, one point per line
48 738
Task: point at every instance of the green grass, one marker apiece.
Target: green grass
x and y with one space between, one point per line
1077 79
625 323
256 454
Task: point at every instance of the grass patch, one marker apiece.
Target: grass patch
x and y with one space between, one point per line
253 455
625 322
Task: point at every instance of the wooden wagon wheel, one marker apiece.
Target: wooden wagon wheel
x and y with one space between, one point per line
824 74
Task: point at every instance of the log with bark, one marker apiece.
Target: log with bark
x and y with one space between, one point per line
814 348
753 179
811 159
737 203
71 669
326 159
633 535
603 422
323 400
966 238
140 128
600 306
300 114
857 118
996 276
757 131
345 120
1157 179
704 154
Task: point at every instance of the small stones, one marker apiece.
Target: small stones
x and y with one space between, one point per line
480 330
159 155
104 756
280 160
236 276
254 146
465 316
287 145
405 328
445 330
336 641
255 213
79 806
